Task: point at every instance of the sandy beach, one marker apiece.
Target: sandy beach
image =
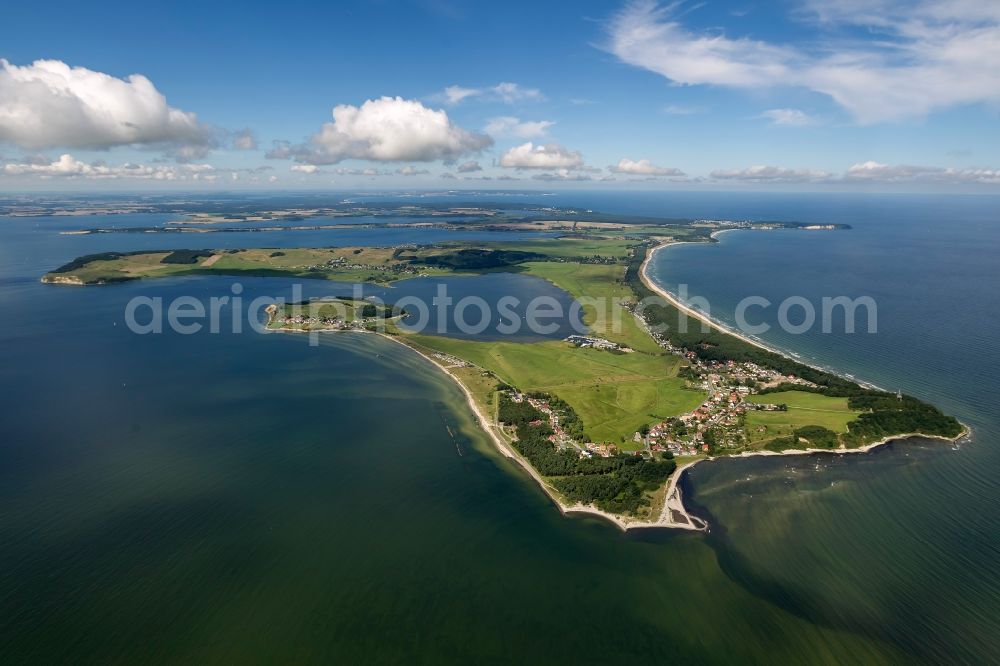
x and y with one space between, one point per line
716 324
695 314
673 300
673 514
676 516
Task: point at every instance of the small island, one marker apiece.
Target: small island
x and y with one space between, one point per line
323 315
604 422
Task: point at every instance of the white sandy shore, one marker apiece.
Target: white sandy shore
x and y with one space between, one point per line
667 518
674 514
697 314
700 316
710 321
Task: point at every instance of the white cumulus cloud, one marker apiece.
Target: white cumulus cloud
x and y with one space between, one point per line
343 171
511 126
763 173
643 168
902 173
244 139
67 166
562 175
410 170
49 104
547 156
870 171
388 129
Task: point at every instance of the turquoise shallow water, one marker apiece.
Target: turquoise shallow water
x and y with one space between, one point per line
251 498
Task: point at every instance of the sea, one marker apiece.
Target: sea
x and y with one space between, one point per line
238 497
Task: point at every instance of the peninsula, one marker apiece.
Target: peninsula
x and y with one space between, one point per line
604 421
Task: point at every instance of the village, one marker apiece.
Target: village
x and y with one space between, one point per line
586 341
329 315
342 264
307 322
717 425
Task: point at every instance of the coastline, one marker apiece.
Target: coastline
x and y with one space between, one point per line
708 320
666 518
673 300
691 312
673 513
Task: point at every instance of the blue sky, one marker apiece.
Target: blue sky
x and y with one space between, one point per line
879 95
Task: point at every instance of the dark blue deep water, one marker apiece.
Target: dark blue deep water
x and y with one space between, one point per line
246 498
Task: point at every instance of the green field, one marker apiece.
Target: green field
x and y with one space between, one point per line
130 267
572 247
349 264
804 409
614 394
602 282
